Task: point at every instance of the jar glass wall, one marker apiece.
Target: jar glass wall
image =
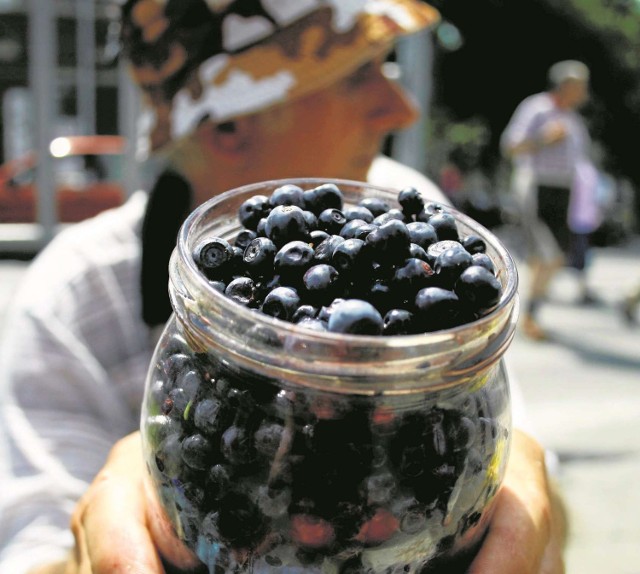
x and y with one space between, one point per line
271 446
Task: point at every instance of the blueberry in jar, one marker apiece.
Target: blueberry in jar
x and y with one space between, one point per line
286 223
253 210
213 257
356 317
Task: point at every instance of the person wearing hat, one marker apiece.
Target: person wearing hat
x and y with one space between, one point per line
555 180
236 92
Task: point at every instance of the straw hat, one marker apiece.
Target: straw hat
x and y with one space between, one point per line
221 59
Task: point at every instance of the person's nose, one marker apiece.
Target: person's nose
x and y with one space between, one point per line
392 108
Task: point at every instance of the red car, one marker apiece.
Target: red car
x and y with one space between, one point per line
87 172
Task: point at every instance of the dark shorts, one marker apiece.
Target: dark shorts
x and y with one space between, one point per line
553 210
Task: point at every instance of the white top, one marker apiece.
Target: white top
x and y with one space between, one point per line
555 164
72 369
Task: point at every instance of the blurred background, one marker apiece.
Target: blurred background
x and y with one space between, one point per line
68 151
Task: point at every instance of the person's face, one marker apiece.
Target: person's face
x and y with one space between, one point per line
575 93
335 132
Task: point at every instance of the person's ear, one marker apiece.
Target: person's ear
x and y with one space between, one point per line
230 140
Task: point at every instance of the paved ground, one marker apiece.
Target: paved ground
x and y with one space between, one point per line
583 391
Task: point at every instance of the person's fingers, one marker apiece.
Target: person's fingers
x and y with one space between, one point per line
520 529
110 523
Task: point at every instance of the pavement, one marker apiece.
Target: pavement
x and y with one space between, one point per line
582 388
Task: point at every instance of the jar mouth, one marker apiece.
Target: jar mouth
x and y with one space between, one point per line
194 294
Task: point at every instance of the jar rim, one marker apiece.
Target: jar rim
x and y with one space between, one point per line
502 316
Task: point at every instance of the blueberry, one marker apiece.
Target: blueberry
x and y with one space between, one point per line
376 205
445 226
304 312
197 451
358 212
331 220
268 438
411 201
350 228
218 482
213 256
398 322
362 231
242 290
286 223
253 210
479 288
245 237
350 257
317 236
483 260
321 283
292 260
430 209
473 244
325 196
436 308
239 521
287 194
281 303
206 416
450 264
392 214
236 446
356 317
324 252
390 241
418 252
421 233
413 275
259 256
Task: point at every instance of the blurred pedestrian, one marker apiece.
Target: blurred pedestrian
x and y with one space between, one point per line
555 181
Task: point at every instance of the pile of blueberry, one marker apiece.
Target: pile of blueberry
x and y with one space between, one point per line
260 476
371 269
263 475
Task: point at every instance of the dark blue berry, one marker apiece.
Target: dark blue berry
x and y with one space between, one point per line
389 242
292 260
473 244
436 308
421 233
376 205
398 322
304 312
324 252
478 288
355 317
287 194
321 283
259 256
450 264
350 257
325 196
281 303
445 226
213 257
331 220
358 212
350 228
197 451
253 210
286 223
245 237
411 201
483 260
242 290
413 275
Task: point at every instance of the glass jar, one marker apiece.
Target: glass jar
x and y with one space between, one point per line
276 448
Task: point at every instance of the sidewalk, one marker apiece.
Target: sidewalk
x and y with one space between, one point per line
583 392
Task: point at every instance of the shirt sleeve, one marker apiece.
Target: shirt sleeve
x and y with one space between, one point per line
66 395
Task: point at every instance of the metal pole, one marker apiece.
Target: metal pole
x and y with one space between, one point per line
415 57
86 65
128 112
43 50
